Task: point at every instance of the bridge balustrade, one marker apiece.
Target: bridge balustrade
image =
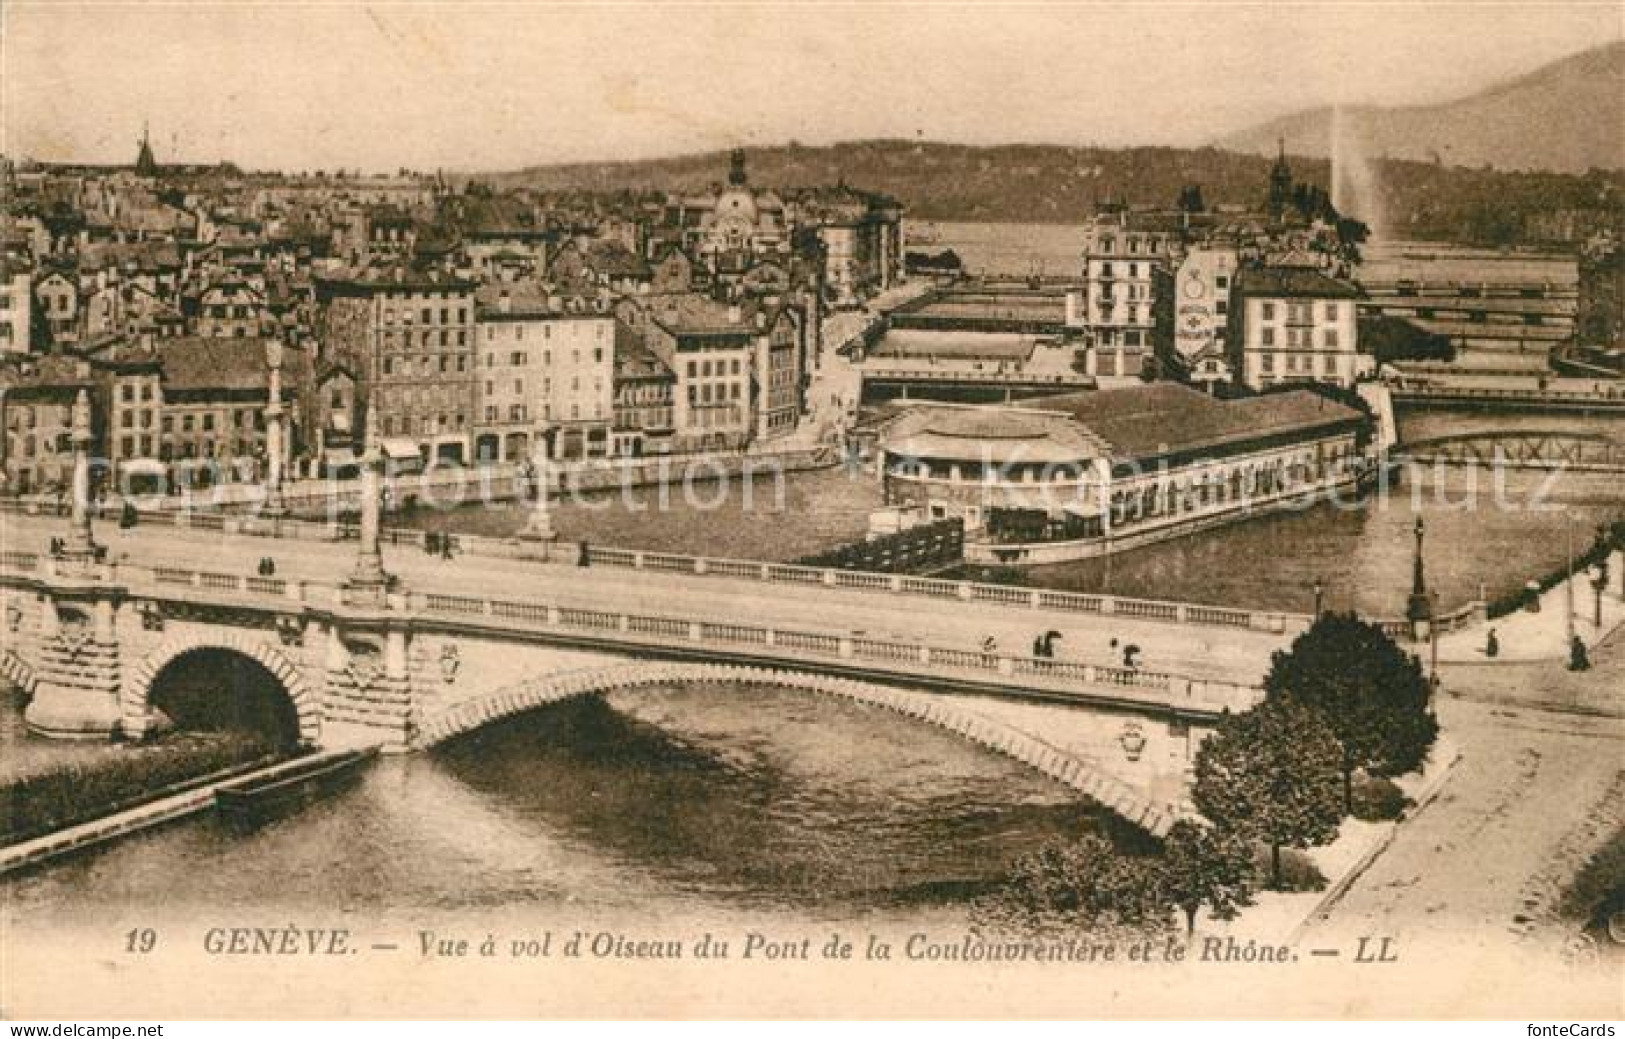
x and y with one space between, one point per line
786 645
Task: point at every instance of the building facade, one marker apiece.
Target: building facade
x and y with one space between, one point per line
1294 325
1083 475
410 338
546 375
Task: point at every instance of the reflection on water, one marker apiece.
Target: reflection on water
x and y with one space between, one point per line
1363 556
777 517
679 799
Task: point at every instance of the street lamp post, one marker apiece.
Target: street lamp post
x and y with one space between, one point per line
80 545
1320 596
1568 587
1419 608
275 507
1433 636
1599 582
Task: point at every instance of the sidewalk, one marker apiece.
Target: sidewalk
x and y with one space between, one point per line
1527 636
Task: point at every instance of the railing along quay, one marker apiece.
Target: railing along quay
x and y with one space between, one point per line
1056 678
768 572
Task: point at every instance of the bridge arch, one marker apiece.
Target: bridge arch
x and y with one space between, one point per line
306 705
1078 773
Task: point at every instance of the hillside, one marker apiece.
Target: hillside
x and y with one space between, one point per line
1568 116
1057 184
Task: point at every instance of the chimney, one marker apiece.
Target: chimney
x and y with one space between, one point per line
505 302
734 314
554 304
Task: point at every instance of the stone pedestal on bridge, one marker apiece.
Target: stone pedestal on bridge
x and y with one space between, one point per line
76 665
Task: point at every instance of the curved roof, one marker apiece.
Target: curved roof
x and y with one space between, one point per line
1123 425
996 435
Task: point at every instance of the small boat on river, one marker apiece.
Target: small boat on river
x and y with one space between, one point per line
288 787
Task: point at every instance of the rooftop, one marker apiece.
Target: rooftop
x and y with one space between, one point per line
1293 282
1124 425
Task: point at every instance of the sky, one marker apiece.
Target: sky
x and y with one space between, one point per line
473 86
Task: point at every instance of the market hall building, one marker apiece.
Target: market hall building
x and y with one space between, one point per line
1085 474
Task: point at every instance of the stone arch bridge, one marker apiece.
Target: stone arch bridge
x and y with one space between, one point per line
90 643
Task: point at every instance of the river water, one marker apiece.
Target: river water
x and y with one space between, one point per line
688 802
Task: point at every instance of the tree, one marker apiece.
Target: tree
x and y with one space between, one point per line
1371 693
1204 865
1270 774
1088 883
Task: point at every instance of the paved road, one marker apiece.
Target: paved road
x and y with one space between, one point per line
1536 793
1212 653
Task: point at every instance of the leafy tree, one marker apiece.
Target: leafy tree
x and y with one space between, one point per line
1088 883
1204 865
1270 774
1371 693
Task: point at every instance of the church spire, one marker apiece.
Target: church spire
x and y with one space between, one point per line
1280 182
145 164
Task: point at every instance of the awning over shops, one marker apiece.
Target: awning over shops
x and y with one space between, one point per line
398 448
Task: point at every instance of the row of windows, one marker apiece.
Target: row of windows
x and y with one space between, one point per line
521 359
58 444
600 331
427 338
521 412
402 424
426 365
705 368
547 386
1299 313
24 416
703 393
1299 338
426 315
1298 363
1132 244
186 448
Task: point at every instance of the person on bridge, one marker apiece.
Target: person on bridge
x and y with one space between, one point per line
1131 656
1579 659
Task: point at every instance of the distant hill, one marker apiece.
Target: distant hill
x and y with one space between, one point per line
1566 117
1039 183
1056 184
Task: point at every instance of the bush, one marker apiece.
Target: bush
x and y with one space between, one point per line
48 801
1089 885
1298 871
1378 800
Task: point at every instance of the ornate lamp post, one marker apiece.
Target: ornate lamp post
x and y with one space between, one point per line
1320 597
80 546
369 581
1419 608
275 440
540 525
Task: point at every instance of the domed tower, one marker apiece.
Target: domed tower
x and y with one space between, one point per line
1280 183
